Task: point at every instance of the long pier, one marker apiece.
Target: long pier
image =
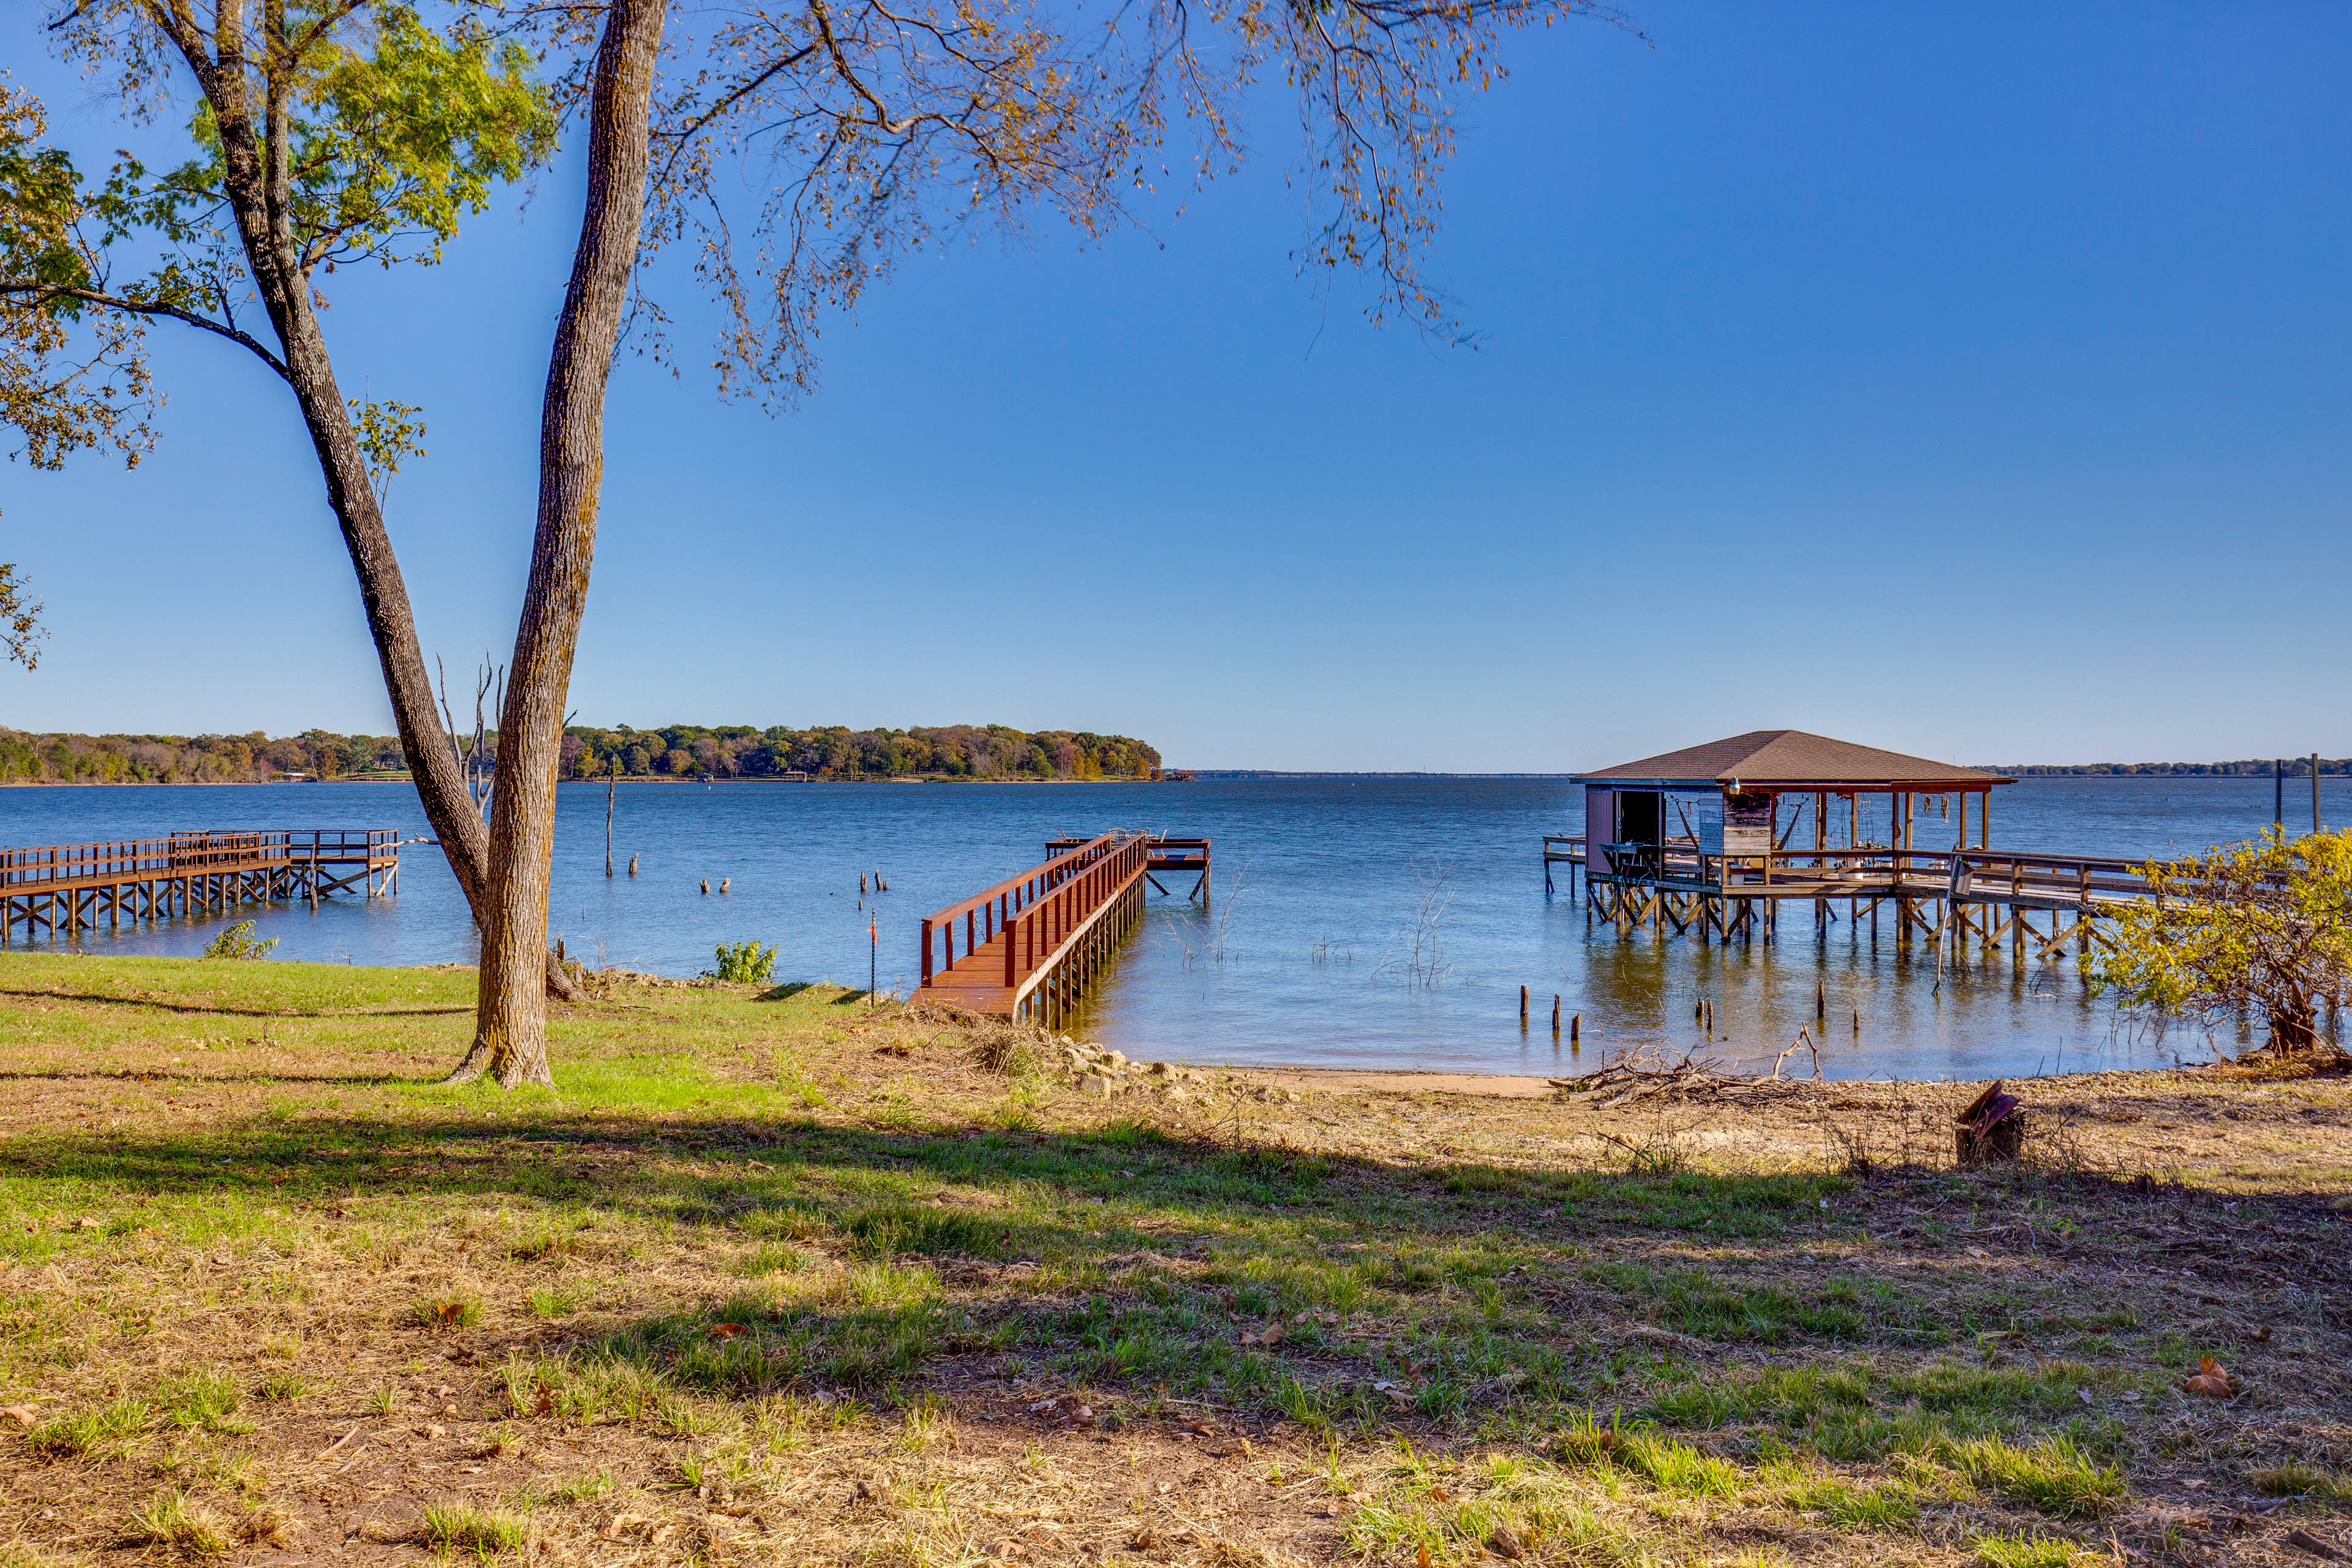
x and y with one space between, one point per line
1957 896
69 887
1026 948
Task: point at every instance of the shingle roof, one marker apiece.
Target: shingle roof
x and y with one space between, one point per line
1763 759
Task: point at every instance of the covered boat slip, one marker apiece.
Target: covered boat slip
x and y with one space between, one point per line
1713 840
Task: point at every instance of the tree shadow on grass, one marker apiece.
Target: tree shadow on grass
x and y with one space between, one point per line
1127 1255
156 1004
201 1081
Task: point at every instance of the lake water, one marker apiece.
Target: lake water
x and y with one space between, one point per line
1303 955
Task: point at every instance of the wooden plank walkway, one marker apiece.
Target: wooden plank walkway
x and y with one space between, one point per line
1026 947
1984 894
54 887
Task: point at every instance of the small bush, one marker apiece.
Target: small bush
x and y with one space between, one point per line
237 941
744 964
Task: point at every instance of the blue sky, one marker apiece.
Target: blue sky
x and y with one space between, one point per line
1969 381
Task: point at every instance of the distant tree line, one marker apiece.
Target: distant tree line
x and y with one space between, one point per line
676 751
837 751
254 758
2260 767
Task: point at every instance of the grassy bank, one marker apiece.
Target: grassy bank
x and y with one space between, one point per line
791 1279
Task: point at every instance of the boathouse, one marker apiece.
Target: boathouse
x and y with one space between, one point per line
1727 797
1713 841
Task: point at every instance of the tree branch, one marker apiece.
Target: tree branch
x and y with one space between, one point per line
42 293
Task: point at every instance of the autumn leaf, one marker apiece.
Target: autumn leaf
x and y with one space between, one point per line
1421 1561
2211 1379
726 1330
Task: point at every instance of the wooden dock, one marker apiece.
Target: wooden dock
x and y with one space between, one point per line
68 888
1169 857
1959 896
1026 948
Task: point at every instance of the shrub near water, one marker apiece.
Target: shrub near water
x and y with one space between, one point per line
237 941
743 963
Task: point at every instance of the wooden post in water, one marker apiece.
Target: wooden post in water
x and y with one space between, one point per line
612 790
2315 792
1821 842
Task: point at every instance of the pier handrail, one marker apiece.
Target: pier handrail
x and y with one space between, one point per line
992 909
1034 935
42 864
1868 869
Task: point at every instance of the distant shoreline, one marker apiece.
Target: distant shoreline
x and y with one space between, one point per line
625 778
2297 768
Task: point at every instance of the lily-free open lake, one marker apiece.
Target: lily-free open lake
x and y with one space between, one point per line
1301 956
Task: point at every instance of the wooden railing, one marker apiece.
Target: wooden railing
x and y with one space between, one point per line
1117 859
188 854
1166 853
1855 871
1016 904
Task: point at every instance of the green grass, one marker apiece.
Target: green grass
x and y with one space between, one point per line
203 1401
843 1246
2053 1475
2027 1551
172 1520
482 1532
558 1301
280 1386
93 1433
446 1313
1858 1409
2295 1478
1702 1304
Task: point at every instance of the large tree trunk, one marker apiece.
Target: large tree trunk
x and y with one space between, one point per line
257 183
510 1010
2295 1028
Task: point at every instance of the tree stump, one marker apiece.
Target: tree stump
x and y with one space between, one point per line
1991 1130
